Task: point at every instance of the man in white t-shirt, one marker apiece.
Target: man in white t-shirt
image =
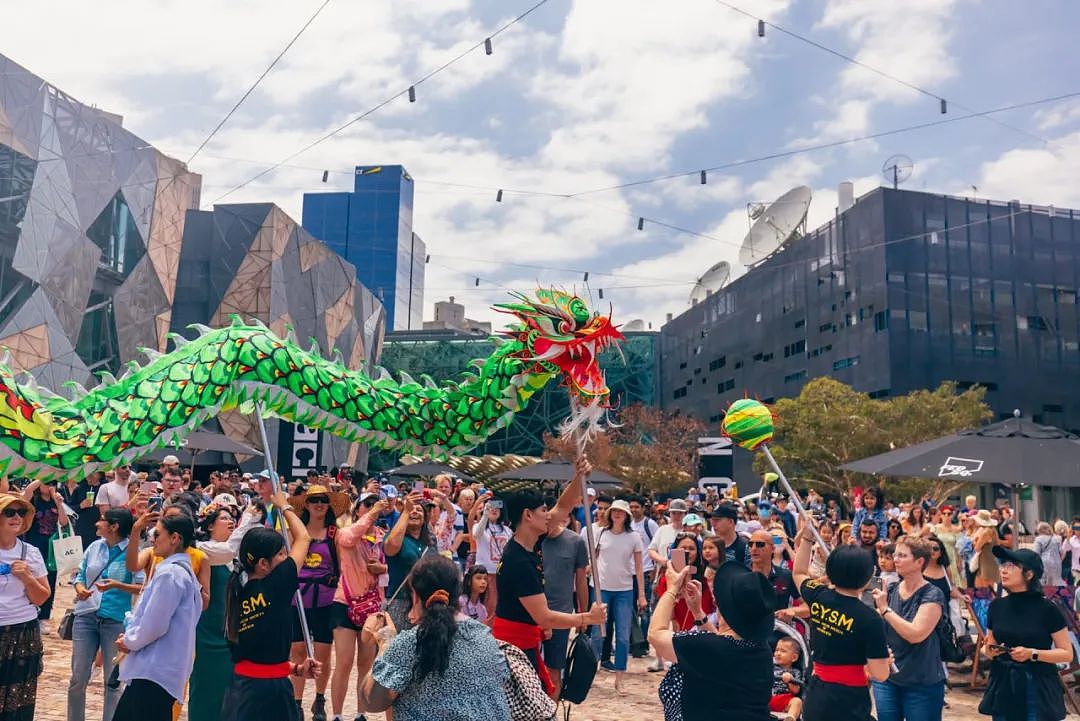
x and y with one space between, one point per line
114 494
646 528
660 547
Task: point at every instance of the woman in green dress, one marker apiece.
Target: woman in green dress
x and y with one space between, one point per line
213 663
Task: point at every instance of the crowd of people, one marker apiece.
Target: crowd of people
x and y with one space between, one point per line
417 594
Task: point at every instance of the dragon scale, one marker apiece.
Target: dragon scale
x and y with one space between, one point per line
47 436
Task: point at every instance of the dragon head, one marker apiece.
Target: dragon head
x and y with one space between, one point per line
560 334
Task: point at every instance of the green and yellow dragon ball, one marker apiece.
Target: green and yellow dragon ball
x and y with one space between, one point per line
554 335
749 423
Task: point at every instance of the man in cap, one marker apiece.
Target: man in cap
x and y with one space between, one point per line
579 511
723 521
169 462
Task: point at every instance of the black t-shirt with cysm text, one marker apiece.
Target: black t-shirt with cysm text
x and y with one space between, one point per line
520 574
265 629
843 630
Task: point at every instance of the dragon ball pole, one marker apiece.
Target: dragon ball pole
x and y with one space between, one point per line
276 483
795 498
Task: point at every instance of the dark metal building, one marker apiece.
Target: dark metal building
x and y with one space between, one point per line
901 291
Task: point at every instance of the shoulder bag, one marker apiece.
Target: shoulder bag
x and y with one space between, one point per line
524 692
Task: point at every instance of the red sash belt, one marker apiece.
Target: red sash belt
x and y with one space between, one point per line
527 637
250 669
844 675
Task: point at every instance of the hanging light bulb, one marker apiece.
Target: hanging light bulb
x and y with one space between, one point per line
412 93
601 294
761 28
325 175
498 196
487 46
704 177
641 224
586 280
944 106
477 283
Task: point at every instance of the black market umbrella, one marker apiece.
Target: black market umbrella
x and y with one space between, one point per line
558 471
198 442
426 469
1009 452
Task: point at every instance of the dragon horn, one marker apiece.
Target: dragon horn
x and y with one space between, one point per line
178 340
200 328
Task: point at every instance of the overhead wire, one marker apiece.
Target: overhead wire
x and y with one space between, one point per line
258 80
871 68
824 146
409 91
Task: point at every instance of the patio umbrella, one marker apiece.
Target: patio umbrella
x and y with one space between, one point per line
198 442
1010 452
426 469
557 471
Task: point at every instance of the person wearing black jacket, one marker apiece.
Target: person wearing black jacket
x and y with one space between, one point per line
1027 637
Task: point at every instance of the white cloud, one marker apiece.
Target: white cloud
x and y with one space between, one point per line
1041 176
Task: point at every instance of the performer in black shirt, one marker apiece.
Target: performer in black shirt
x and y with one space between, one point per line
258 622
521 611
846 635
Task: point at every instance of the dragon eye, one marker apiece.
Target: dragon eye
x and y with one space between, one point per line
579 310
565 327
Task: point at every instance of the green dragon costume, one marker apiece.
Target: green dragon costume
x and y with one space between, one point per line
46 436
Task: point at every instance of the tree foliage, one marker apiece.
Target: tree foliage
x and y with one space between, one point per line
648 449
830 424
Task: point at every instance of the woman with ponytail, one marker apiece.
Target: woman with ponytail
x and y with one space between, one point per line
447 666
258 622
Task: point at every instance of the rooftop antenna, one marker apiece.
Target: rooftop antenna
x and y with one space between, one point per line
774 225
897 169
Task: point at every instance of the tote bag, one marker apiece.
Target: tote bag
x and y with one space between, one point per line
67 551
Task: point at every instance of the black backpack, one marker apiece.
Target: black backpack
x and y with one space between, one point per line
577 677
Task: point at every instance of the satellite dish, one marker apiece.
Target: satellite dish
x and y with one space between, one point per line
754 210
775 226
714 279
636 324
897 169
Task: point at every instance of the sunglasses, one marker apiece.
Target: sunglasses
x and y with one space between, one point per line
318 499
369 502
759 544
12 512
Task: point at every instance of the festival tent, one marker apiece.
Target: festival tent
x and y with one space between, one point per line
1010 452
560 471
197 442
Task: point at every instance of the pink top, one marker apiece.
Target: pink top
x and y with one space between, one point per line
358 544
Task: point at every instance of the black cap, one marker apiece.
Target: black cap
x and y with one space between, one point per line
725 510
1023 557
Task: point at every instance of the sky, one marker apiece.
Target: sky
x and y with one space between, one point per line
580 96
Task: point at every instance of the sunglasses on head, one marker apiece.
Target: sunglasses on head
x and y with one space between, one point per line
369 502
318 499
759 544
12 512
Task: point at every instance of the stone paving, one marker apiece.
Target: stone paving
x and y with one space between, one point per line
638 702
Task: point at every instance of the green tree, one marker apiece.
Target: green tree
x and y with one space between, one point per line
830 424
647 448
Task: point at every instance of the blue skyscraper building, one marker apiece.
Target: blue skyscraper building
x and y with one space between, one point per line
372 228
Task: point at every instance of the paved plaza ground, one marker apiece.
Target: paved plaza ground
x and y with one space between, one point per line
638 703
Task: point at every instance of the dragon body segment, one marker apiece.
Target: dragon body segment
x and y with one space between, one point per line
46 436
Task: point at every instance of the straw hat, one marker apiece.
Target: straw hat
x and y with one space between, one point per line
7 499
339 502
984 519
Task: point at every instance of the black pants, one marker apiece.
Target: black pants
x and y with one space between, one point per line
45 610
144 700
259 699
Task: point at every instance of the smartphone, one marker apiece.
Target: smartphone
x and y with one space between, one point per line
148 487
875 583
154 503
998 647
678 559
418 487
497 503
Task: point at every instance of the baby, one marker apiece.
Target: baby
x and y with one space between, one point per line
889 576
787 680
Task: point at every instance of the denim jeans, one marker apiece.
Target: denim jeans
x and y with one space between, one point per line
89 633
620 608
909 703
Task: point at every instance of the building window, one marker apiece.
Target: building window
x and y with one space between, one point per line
881 321
917 320
725 386
1053 408
883 393
679 393
796 376
1036 322
845 363
738 365
800 323
796 348
114 231
718 363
